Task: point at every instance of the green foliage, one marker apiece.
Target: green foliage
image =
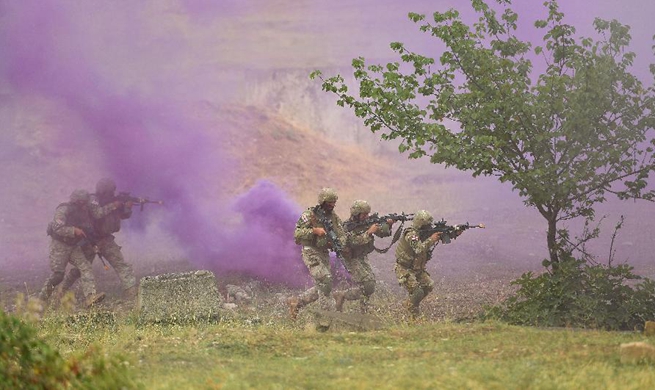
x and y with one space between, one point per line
580 295
28 362
564 138
276 354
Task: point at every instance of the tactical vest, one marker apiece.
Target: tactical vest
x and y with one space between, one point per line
315 241
405 255
110 223
358 251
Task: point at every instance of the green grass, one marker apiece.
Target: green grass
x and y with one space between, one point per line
277 354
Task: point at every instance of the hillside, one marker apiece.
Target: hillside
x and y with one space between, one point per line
299 160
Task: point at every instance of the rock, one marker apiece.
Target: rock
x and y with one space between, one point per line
649 328
238 294
637 352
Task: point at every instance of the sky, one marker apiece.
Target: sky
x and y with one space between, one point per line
109 88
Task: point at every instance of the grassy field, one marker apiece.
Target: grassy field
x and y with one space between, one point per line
242 353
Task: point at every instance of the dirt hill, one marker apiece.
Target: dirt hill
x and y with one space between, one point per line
300 160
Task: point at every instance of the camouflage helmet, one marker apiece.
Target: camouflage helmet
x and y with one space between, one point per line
327 195
79 196
359 207
422 218
105 185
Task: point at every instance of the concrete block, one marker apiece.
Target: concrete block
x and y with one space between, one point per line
179 298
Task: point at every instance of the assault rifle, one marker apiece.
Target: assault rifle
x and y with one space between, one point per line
331 235
126 197
448 232
374 218
90 238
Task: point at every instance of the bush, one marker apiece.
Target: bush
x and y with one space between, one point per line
28 362
580 295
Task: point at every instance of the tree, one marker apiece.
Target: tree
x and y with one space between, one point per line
564 138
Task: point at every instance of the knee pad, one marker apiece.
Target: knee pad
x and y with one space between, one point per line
325 286
75 273
57 277
427 289
368 288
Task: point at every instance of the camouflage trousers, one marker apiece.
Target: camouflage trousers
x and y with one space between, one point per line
60 255
362 275
318 264
417 282
111 252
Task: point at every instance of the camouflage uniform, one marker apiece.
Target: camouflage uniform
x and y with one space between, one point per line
107 215
412 255
67 247
360 244
315 253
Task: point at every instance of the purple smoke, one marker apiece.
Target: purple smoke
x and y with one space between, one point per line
152 144
263 243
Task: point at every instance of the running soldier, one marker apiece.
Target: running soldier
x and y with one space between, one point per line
107 213
69 229
360 242
318 230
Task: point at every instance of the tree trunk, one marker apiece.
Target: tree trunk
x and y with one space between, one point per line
552 240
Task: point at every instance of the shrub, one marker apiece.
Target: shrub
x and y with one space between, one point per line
28 362
578 294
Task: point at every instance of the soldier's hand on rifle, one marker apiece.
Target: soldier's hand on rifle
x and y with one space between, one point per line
435 236
390 222
117 204
373 229
318 231
129 204
79 232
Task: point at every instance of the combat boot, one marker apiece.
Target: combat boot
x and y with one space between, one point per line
363 306
339 299
94 299
413 309
130 293
294 306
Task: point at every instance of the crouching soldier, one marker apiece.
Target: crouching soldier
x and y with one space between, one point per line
68 231
107 213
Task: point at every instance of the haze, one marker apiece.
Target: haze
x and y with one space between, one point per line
126 89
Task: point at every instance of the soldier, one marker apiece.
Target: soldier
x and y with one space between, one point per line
360 242
107 214
412 255
311 232
69 229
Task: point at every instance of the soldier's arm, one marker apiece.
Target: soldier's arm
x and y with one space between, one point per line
362 238
304 228
126 211
99 212
339 230
384 231
59 226
417 245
